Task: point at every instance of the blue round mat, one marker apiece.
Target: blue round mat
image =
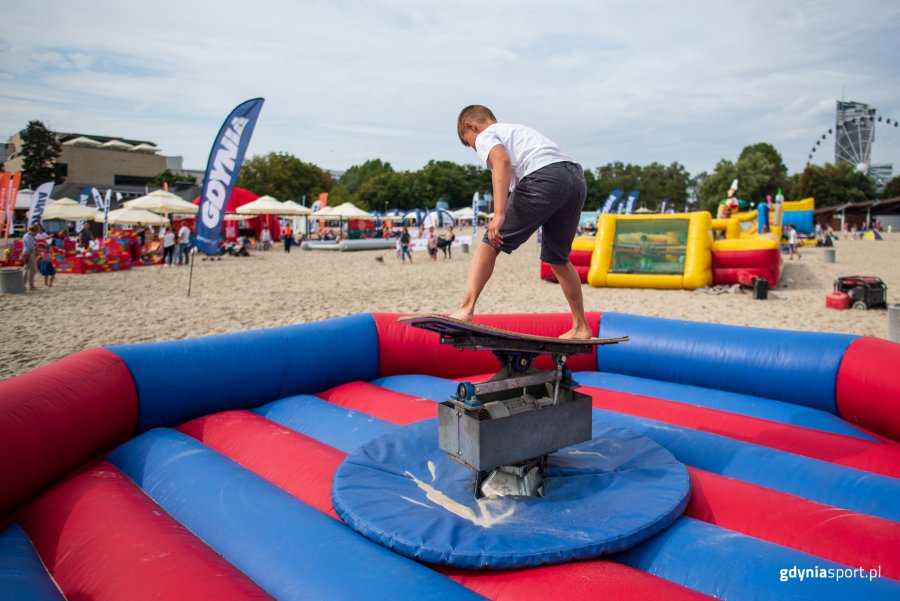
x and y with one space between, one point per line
601 496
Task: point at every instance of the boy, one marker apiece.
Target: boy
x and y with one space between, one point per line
535 184
792 242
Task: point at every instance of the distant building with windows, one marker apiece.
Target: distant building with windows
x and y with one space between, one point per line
98 160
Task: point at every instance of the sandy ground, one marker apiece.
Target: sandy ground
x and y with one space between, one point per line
273 288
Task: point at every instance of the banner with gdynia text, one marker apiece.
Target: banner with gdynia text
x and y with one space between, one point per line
222 169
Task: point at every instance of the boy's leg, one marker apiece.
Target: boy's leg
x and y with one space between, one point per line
570 283
480 272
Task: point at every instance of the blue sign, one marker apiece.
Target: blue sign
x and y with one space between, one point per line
225 160
629 206
611 200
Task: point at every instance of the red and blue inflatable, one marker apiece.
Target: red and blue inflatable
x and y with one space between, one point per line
203 468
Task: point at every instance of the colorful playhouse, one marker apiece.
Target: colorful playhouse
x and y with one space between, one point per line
221 468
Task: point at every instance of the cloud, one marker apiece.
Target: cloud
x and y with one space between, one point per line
347 81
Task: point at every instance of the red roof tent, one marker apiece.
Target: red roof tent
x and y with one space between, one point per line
239 197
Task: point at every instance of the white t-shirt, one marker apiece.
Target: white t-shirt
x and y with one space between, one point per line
169 239
527 148
184 235
792 237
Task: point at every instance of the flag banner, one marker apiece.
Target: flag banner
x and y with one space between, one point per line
12 192
83 195
611 200
632 197
475 214
106 198
98 200
38 202
4 200
662 207
222 168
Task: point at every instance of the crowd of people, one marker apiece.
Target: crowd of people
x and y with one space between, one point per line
434 242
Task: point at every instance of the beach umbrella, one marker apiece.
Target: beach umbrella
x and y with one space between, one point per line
68 210
348 210
438 218
295 208
236 217
160 201
266 205
131 216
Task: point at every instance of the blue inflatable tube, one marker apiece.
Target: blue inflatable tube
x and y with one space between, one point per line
23 576
255 526
183 379
812 479
732 402
697 555
427 387
795 367
335 426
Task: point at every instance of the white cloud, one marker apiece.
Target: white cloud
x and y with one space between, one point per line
347 81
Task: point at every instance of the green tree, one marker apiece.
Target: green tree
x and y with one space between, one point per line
777 176
448 181
284 176
714 186
167 177
402 190
833 184
40 149
892 188
357 175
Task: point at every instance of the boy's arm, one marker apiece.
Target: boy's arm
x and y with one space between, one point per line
501 175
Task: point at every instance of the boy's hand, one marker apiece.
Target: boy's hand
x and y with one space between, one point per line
494 229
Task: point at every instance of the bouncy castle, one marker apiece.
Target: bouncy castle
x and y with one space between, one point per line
223 467
685 250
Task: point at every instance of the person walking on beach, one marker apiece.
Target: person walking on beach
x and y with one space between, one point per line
287 236
535 185
184 244
404 245
168 241
29 255
432 244
446 247
45 263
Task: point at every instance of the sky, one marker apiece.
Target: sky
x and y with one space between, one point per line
692 82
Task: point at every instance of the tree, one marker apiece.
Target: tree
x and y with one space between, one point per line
403 190
167 177
450 182
655 182
357 175
777 176
715 186
892 188
833 184
283 176
40 149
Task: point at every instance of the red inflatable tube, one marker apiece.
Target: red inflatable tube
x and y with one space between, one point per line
373 400
56 417
763 263
281 456
868 391
826 446
849 538
406 350
102 538
300 465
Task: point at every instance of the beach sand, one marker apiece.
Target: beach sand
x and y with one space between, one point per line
273 288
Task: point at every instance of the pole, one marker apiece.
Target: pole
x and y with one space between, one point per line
191 274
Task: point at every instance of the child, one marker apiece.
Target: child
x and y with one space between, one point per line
535 184
432 244
45 263
792 241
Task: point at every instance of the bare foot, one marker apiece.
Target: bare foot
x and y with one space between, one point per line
582 333
462 314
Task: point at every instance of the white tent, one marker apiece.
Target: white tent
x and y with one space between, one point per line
130 216
467 213
160 201
345 211
266 205
438 218
68 210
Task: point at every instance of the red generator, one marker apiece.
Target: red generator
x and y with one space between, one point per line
865 292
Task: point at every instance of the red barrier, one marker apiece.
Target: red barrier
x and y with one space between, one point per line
761 263
56 417
406 350
102 538
868 390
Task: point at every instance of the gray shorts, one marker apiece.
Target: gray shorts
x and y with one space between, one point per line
552 197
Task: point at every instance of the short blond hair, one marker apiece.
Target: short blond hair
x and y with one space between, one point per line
473 112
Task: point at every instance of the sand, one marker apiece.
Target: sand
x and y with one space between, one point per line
273 288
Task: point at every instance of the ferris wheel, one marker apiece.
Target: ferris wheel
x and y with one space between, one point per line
853 135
